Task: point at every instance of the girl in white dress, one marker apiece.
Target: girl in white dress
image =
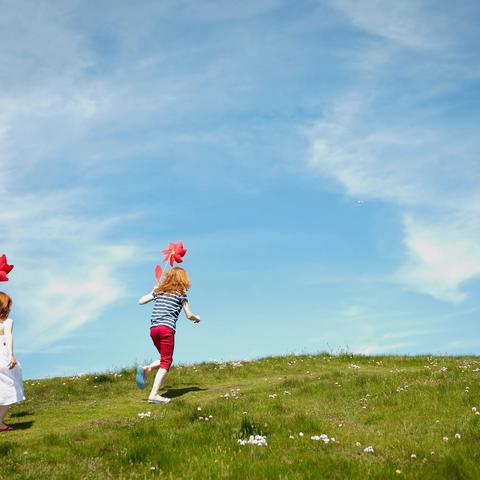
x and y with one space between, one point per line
11 388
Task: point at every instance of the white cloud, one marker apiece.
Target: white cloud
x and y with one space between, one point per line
419 172
383 348
66 271
65 297
407 23
442 255
65 274
218 10
59 120
376 143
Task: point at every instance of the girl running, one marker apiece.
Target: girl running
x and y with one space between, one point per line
170 297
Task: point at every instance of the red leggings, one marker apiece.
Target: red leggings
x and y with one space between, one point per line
164 339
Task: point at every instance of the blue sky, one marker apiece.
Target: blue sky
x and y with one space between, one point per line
319 159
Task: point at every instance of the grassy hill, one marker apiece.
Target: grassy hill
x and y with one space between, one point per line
403 407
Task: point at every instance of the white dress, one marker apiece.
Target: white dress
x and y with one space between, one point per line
11 388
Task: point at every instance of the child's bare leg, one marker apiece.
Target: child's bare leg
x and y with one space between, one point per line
3 412
157 382
148 368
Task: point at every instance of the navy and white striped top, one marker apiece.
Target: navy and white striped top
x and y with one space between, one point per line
166 309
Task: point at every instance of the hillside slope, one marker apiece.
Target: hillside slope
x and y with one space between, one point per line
402 407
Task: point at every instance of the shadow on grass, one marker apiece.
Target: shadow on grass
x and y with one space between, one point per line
178 392
24 413
22 425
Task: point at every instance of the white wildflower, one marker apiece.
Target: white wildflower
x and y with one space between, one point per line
458 436
368 449
199 409
358 444
259 440
144 414
445 439
273 395
300 434
413 456
353 365
322 437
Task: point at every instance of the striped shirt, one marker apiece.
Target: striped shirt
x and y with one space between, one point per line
166 309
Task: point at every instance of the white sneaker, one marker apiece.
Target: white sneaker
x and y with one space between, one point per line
159 399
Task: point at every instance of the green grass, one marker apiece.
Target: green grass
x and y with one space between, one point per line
88 426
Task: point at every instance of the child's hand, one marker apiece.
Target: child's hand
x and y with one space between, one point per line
13 362
196 319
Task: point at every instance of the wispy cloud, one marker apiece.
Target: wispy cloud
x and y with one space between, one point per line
67 297
409 23
377 147
421 173
442 255
82 103
218 10
67 267
66 273
388 348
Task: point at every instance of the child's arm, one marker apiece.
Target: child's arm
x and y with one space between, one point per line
189 314
9 338
148 297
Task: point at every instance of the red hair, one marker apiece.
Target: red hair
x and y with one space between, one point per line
5 305
176 281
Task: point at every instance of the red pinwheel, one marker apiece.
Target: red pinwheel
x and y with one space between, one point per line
174 252
5 268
